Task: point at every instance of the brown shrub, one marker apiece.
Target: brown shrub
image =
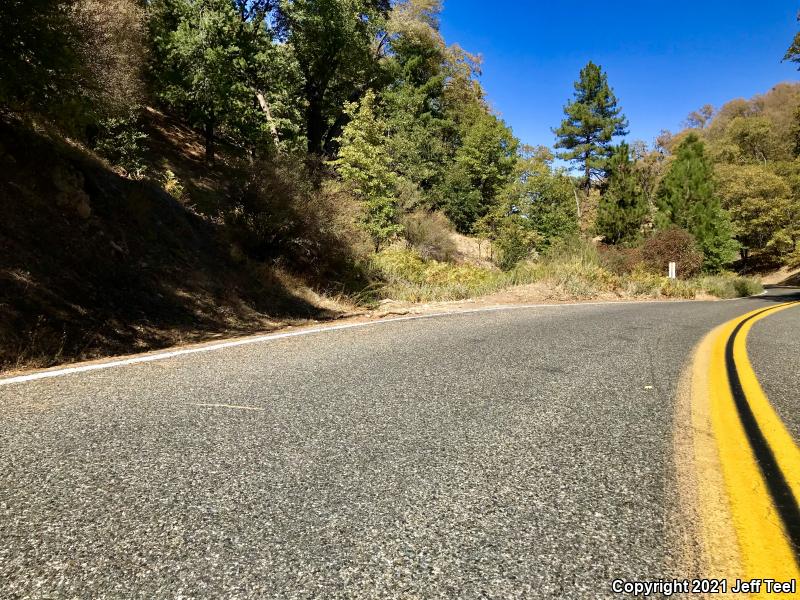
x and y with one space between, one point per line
113 51
619 260
430 234
278 216
672 245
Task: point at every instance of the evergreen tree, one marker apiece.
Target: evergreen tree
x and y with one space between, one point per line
417 132
793 52
483 167
417 121
623 205
202 51
364 165
687 198
39 52
592 120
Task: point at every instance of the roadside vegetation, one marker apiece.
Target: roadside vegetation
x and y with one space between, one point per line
575 271
177 169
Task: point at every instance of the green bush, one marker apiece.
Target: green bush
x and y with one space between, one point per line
747 286
514 243
728 285
119 141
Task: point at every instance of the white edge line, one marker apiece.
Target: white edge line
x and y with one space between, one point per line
157 356
236 406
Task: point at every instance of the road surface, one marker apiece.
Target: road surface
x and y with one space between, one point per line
516 453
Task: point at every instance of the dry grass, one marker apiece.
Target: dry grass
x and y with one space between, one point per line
574 273
472 250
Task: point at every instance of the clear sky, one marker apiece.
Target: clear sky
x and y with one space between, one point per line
663 58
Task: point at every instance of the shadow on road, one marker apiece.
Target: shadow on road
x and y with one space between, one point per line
780 293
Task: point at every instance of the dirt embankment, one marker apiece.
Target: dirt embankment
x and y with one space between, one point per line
783 276
93 263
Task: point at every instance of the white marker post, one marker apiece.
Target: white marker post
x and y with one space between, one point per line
673 270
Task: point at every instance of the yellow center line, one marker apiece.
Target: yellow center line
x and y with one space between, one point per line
780 440
741 499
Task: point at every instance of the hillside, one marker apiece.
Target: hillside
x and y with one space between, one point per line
93 263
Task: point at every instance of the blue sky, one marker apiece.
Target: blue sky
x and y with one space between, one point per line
663 58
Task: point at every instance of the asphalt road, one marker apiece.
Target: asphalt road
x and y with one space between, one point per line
774 350
519 453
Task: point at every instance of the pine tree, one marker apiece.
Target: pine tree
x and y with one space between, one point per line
592 120
687 198
623 205
793 52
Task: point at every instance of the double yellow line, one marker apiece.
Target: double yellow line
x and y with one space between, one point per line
747 466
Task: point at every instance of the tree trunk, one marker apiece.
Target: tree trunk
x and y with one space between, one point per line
330 145
588 183
262 101
315 122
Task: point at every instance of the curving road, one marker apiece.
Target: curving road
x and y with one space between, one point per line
517 453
